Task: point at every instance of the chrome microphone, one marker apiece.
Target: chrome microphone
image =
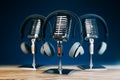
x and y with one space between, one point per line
91 29
91 34
61 33
35 29
33 35
62 28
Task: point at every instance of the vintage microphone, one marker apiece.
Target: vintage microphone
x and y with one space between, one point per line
91 34
61 34
33 35
91 24
62 28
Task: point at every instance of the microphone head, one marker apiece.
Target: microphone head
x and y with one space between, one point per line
35 29
62 28
90 28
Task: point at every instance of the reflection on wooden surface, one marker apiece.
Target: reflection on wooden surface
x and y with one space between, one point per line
18 73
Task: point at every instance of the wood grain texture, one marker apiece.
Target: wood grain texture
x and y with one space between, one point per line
17 73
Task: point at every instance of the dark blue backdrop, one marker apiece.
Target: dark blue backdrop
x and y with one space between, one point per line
13 12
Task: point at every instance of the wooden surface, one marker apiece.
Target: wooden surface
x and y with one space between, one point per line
21 73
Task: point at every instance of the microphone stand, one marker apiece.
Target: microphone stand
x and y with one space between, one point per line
91 67
91 41
33 52
59 45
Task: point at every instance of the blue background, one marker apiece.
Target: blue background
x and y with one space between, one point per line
13 12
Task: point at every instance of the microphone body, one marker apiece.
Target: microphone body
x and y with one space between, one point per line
35 29
62 28
91 29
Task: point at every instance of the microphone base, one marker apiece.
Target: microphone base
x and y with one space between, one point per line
95 67
30 67
56 71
